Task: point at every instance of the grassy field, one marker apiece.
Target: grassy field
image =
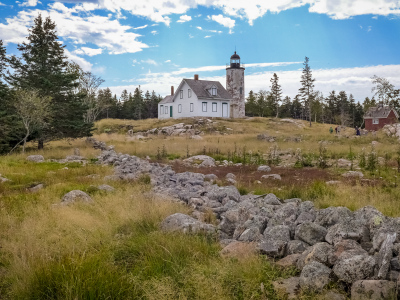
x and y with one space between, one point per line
113 249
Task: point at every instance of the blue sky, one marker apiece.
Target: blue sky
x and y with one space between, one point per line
156 43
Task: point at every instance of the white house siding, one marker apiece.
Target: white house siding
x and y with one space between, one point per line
185 102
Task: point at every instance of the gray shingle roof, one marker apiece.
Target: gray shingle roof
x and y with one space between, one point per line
167 99
199 87
379 112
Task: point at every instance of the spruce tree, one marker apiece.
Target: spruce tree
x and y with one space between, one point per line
276 93
44 67
307 88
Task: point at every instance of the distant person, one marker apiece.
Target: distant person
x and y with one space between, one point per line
331 130
336 129
358 131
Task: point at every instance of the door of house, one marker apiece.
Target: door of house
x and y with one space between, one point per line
224 110
170 111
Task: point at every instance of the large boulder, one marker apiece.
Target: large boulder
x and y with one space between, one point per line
346 246
320 252
200 160
310 233
35 158
373 290
238 250
75 195
296 247
286 214
272 248
315 276
279 232
332 215
264 169
179 222
385 256
349 229
354 267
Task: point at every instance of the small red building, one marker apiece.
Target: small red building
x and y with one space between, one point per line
377 117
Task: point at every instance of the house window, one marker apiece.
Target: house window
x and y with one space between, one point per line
375 121
214 91
191 107
181 94
189 93
161 109
214 107
179 108
204 106
166 109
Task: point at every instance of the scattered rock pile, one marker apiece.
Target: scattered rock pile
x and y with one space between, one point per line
359 248
392 130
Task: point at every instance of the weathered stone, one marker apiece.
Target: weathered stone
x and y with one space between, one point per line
264 169
395 264
230 221
332 215
36 188
220 193
288 261
75 195
106 187
349 229
251 234
384 256
35 158
296 247
271 199
238 250
183 223
331 295
285 214
373 290
393 276
356 267
305 217
315 276
292 200
353 174
344 246
272 248
272 176
287 288
310 233
230 175
231 181
201 160
210 177
320 252
279 232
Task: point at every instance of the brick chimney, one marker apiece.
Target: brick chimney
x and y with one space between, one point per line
172 90
196 76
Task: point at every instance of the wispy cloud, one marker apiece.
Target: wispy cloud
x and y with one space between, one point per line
207 36
154 32
184 18
88 51
149 61
29 3
224 21
140 27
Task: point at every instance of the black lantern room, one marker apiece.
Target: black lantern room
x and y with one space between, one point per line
235 61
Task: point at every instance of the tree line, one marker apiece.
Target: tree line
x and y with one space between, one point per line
44 97
336 108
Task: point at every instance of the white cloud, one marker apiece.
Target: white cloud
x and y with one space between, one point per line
149 61
168 61
29 3
84 64
154 32
98 30
140 27
224 21
184 18
207 36
2 4
199 28
88 51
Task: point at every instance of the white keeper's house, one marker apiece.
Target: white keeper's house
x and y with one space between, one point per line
204 98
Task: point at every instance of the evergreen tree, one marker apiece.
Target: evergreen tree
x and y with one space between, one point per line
286 108
343 108
307 88
137 103
251 105
359 115
297 108
276 93
352 110
44 67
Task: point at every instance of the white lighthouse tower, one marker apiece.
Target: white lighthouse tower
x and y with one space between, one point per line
235 86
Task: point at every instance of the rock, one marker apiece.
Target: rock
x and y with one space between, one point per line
230 175
373 289
287 288
3 179
210 177
183 223
344 246
36 188
196 137
343 163
75 195
201 160
350 229
395 264
285 214
220 193
353 174
272 176
231 181
353 268
35 158
230 220
77 152
272 248
106 187
332 215
393 276
310 233
305 217
238 250
296 247
320 252
271 199
288 261
74 158
315 276
333 182
279 232
264 169
251 234
385 256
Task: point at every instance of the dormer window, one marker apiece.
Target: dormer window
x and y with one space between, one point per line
213 91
